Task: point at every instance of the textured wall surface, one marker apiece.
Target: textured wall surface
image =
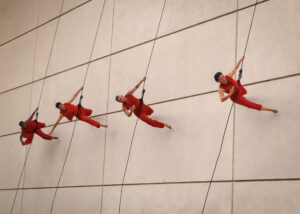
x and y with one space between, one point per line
169 170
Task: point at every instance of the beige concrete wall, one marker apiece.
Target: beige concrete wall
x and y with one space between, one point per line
169 170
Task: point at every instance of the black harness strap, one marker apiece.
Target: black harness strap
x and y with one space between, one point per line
240 76
79 105
36 121
142 97
36 116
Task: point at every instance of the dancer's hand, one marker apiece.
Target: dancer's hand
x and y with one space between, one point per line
144 78
133 108
231 91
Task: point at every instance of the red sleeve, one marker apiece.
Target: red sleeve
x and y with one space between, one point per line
125 106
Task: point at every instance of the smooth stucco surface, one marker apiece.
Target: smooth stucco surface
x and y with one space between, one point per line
169 170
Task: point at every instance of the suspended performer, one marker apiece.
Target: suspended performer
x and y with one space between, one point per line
69 110
29 127
132 104
236 91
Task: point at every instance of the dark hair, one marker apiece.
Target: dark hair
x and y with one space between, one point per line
57 104
217 76
21 123
117 98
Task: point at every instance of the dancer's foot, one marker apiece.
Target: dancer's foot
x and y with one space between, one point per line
167 125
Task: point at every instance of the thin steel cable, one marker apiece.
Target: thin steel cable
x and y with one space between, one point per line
75 123
222 142
134 130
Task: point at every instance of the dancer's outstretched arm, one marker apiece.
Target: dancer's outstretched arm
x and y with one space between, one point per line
236 67
75 95
137 86
31 116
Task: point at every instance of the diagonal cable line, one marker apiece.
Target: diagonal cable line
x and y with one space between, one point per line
137 120
24 165
74 127
222 142
107 102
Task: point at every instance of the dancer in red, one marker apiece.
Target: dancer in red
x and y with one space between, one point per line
236 91
142 111
69 110
29 127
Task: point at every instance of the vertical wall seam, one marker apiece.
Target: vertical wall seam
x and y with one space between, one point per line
234 113
107 101
31 91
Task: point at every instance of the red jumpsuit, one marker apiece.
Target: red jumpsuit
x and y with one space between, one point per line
83 113
238 93
142 111
34 127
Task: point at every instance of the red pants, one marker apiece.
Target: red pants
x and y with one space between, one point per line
245 102
143 115
39 132
83 115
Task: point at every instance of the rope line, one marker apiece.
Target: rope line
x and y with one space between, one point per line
107 102
75 123
30 99
51 51
130 148
94 42
249 32
13 205
27 152
246 46
137 120
56 189
222 142
219 154
154 42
